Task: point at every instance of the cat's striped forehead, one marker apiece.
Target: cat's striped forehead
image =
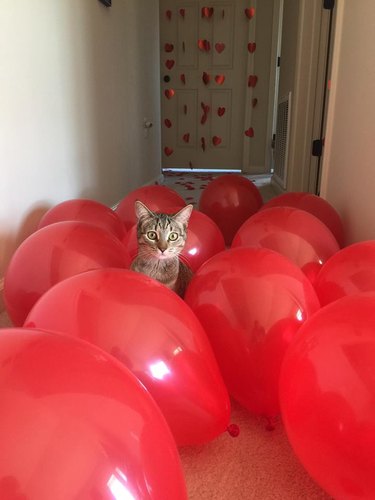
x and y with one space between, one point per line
159 222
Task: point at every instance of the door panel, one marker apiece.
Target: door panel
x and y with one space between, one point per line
208 87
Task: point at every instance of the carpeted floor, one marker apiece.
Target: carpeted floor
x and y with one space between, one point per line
258 464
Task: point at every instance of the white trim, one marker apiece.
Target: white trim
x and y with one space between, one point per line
212 170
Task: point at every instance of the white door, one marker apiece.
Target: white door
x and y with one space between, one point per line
216 72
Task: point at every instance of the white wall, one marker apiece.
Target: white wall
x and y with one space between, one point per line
348 176
76 81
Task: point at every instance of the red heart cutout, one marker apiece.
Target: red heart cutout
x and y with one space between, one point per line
249 132
203 143
183 78
207 12
254 102
250 13
252 81
204 118
168 13
205 107
168 47
168 123
219 46
169 93
220 111
219 79
216 140
182 13
206 78
169 63
204 45
251 47
168 151
186 137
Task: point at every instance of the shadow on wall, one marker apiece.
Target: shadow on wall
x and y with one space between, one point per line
9 242
115 67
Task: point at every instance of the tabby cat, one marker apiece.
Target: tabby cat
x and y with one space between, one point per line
161 238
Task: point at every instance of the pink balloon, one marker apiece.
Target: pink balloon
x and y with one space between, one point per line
75 423
52 254
154 333
157 198
294 233
327 394
316 206
229 200
83 210
204 239
251 303
348 272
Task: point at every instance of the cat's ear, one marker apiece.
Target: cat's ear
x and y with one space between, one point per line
141 210
183 215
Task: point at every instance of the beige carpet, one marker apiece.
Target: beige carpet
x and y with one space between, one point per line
256 465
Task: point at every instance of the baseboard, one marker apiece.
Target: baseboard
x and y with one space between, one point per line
277 186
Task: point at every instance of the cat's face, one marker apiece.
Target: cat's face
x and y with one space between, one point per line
161 236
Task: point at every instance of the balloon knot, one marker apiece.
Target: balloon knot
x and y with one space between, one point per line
233 430
271 423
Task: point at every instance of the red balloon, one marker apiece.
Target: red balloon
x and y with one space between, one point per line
229 200
316 206
204 239
294 233
157 198
327 394
251 303
154 333
348 272
82 210
75 423
52 254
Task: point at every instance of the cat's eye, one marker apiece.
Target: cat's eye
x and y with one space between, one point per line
173 236
151 235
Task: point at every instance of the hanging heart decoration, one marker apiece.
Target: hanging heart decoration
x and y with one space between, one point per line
169 93
220 111
249 132
169 63
251 47
183 47
207 12
203 144
168 123
206 78
168 47
204 45
205 107
250 13
168 14
252 81
216 140
219 79
182 13
168 151
219 46
223 13
254 102
185 109
186 137
183 78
